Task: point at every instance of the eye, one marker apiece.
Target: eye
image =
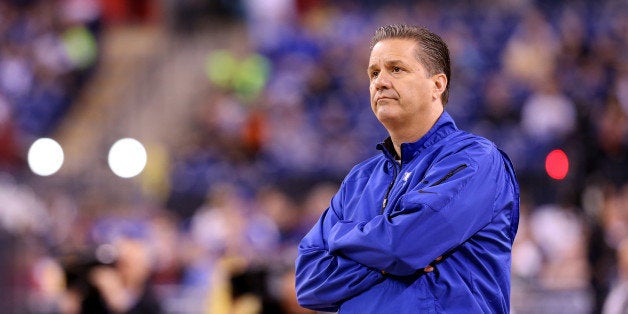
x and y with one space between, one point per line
396 69
374 74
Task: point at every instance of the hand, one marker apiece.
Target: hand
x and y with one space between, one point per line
430 268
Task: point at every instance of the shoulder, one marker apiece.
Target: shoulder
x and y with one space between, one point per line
470 143
469 148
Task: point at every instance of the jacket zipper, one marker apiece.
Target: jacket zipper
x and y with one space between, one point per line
449 175
390 186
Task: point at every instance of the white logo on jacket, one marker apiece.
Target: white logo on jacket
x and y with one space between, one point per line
406 176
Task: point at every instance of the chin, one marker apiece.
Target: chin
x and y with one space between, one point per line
384 111
386 117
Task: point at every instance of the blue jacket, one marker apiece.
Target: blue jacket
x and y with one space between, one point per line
453 194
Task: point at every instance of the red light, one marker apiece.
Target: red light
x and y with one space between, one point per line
557 164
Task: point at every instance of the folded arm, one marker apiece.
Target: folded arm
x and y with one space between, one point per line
454 200
325 280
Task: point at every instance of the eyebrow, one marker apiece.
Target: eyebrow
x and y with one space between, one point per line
386 63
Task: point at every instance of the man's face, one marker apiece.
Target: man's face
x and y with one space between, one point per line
401 89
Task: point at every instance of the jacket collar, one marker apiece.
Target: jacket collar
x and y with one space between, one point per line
444 126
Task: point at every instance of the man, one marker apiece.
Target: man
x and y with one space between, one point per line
426 226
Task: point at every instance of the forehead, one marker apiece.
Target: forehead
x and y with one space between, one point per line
394 49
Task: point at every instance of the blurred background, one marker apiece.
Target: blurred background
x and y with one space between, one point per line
242 117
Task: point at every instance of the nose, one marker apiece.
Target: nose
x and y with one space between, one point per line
382 81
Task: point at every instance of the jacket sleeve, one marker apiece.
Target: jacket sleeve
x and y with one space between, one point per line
324 280
453 201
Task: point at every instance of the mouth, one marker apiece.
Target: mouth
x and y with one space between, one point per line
385 95
383 98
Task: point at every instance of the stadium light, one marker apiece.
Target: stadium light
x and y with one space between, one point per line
127 158
45 157
557 164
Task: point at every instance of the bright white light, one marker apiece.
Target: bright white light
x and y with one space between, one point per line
45 157
127 158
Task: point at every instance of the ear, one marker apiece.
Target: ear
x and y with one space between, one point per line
440 84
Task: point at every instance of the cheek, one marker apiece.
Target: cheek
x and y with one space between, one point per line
372 92
418 90
373 108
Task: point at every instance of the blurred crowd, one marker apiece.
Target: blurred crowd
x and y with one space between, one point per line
281 119
47 52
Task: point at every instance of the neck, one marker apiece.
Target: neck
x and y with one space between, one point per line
412 132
